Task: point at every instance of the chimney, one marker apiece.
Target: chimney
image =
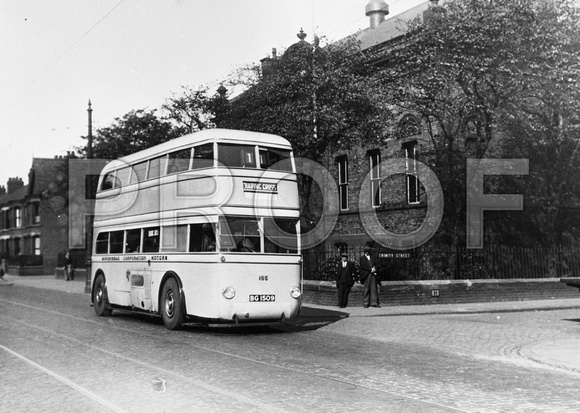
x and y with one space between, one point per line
266 66
2 190
376 10
433 8
268 63
14 184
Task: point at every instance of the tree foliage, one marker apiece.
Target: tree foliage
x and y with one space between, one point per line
312 95
316 97
194 109
497 79
135 131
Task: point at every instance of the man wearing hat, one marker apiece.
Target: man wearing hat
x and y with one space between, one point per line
368 276
344 279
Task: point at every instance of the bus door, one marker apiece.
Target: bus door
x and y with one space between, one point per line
140 284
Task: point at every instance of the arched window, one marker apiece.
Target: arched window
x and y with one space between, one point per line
408 126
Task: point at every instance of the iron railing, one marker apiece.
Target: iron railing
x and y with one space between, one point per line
452 263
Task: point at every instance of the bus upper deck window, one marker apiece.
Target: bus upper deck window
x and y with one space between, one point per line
123 176
178 161
202 156
237 156
274 158
108 181
156 167
140 172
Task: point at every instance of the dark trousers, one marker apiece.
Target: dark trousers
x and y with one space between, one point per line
371 292
68 272
343 291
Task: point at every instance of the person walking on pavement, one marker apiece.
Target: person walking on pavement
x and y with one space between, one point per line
368 276
344 279
68 267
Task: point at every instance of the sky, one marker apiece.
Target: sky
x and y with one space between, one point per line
126 55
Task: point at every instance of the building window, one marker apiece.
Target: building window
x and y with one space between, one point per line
343 182
409 126
36 245
6 247
411 172
17 217
375 176
17 245
36 213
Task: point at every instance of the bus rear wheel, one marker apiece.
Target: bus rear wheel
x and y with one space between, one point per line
100 299
171 305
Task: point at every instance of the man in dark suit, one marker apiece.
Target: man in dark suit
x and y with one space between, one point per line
368 276
344 279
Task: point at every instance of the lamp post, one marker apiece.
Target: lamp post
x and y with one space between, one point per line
90 217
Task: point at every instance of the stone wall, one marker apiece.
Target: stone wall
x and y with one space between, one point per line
445 292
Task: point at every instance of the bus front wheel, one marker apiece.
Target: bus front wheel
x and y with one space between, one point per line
100 300
171 305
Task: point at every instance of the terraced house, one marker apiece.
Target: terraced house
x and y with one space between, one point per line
34 219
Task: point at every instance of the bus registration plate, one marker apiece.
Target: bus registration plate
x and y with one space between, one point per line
262 297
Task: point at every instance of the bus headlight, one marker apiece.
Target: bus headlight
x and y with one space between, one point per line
229 293
295 293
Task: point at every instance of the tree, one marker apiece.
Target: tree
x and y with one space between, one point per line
314 96
135 131
194 109
502 75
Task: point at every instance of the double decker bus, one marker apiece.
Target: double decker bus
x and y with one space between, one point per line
202 228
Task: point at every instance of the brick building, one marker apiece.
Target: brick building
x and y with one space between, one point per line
34 219
398 200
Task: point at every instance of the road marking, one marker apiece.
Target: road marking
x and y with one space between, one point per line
64 380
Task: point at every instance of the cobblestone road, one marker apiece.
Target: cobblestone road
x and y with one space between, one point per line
509 337
56 355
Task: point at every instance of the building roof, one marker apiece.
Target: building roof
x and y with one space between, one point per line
46 174
17 195
392 28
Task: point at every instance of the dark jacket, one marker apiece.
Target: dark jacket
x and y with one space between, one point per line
345 275
366 267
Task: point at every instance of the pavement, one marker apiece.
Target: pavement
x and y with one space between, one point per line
561 353
47 282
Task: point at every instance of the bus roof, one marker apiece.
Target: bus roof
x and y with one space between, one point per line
200 137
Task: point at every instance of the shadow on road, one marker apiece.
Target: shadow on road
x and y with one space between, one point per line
309 319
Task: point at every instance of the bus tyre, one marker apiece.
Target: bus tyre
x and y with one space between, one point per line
100 299
171 305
